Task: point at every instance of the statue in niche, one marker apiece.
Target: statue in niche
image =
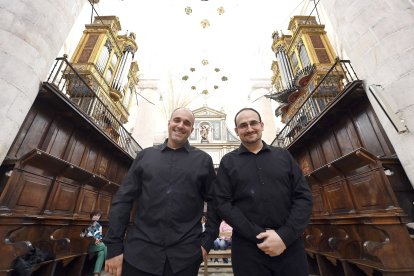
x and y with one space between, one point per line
204 129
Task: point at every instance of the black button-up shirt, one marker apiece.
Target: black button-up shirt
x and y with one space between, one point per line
263 190
170 187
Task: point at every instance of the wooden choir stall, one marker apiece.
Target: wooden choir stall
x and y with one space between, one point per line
60 167
362 198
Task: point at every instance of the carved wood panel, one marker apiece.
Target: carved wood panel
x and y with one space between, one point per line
345 136
112 170
46 130
87 201
316 154
104 204
400 185
102 164
58 137
62 198
26 192
32 133
369 192
122 172
89 157
318 207
329 147
367 134
338 197
380 133
304 161
76 148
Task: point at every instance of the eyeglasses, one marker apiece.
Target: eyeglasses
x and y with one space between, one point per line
252 124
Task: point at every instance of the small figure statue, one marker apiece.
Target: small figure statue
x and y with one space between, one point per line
204 132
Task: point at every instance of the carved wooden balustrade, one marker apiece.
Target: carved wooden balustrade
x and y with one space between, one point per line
59 169
361 195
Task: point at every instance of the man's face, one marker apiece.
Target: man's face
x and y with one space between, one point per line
180 127
248 127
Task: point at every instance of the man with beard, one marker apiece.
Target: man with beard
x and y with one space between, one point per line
262 193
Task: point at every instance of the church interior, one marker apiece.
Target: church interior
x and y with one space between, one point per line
94 106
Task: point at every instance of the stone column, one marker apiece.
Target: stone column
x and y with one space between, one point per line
260 87
31 35
377 36
149 126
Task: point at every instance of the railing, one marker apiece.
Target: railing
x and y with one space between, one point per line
85 94
332 84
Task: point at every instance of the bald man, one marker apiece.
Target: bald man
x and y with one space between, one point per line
170 182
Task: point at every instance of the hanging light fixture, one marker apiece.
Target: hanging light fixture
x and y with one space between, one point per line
205 23
188 10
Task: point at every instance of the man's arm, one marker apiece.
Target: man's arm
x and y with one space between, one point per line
272 244
119 213
230 213
212 220
300 212
114 265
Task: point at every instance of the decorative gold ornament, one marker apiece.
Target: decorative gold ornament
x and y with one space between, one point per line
185 78
192 69
217 69
224 78
204 62
205 92
193 87
216 87
188 10
220 10
205 23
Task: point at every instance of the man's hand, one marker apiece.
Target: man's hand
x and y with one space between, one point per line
272 244
114 265
204 252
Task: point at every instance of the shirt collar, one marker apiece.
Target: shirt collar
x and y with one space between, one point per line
243 149
186 146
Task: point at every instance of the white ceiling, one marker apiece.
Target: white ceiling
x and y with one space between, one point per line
170 42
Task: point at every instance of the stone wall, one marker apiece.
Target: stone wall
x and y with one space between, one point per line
377 36
31 35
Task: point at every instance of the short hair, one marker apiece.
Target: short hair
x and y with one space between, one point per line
95 212
185 108
244 109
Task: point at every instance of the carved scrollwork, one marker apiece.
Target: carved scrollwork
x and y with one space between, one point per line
313 237
372 247
339 236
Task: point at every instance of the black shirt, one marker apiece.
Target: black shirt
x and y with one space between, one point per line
170 187
263 190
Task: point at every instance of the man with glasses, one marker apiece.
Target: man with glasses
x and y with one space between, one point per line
170 183
262 193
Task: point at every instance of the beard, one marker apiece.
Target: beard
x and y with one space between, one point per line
250 139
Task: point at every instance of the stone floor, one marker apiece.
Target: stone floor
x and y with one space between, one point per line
217 272
211 272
